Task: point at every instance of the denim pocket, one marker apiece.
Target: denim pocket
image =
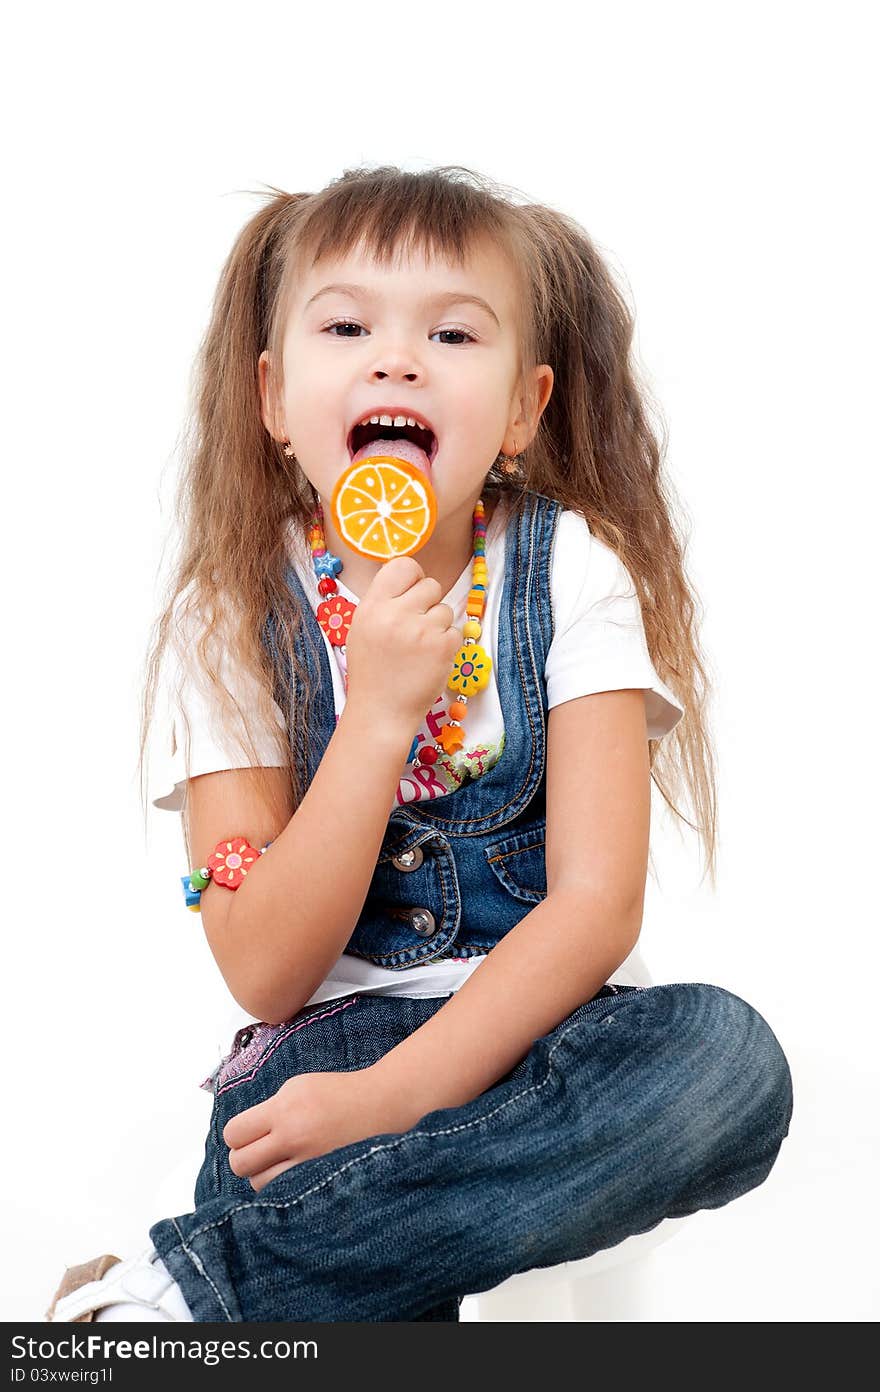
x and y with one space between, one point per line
519 861
255 1044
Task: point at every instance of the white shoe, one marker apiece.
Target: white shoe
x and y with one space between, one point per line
133 1281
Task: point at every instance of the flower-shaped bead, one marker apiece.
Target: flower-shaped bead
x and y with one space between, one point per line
230 861
335 616
471 669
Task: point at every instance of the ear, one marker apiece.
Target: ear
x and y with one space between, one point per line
269 407
542 387
524 423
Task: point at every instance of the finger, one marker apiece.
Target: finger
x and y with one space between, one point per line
250 1159
259 1181
444 615
249 1125
397 576
424 594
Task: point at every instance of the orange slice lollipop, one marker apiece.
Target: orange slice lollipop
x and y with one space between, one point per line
384 507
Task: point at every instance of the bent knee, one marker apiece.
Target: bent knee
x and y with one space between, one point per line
764 1067
722 1040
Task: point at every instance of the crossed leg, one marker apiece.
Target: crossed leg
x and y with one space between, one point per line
637 1107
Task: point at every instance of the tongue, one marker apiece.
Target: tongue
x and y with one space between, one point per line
398 449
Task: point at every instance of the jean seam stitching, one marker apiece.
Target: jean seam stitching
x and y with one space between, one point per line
277 1042
199 1266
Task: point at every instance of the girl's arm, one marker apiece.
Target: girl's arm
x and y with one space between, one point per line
565 949
277 936
598 805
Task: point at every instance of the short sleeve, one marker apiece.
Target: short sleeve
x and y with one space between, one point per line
186 694
599 641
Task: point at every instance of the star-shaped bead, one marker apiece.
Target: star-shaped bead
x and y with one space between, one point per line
328 565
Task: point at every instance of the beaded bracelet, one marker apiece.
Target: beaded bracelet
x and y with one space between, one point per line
227 865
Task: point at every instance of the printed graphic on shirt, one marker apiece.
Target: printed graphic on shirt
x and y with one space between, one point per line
450 771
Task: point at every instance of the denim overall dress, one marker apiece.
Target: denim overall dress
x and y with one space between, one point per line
456 873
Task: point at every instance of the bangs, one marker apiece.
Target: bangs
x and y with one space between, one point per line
390 213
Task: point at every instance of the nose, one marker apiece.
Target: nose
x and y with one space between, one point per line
397 363
380 374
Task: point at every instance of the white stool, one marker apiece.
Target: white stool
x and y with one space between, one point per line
611 1286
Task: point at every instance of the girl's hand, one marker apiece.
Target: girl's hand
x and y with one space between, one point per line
401 643
309 1115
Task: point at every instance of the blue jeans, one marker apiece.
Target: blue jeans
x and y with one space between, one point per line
644 1103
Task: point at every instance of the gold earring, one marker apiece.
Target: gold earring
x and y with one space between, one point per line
508 463
288 450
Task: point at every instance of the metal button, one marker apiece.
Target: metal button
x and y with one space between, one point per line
408 860
422 921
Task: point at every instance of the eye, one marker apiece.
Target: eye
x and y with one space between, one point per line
342 324
351 324
461 333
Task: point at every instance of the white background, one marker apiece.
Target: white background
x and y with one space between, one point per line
720 156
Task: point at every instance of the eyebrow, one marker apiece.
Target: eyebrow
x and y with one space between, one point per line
446 297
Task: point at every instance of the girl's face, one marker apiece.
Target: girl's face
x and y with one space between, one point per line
428 338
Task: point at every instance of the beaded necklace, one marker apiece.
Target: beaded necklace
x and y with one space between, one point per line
472 666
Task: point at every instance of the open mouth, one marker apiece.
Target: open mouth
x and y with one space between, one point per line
366 433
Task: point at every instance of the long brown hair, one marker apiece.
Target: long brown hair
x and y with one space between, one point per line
595 450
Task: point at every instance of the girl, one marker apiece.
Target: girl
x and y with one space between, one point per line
456 1068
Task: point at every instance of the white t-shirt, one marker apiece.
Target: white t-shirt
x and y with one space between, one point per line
598 645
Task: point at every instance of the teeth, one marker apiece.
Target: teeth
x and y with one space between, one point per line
395 421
